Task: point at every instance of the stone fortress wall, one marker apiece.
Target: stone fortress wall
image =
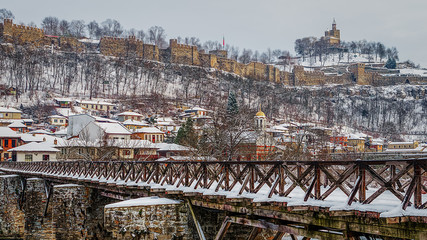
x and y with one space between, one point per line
189 55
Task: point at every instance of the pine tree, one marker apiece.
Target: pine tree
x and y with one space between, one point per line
186 134
181 135
232 107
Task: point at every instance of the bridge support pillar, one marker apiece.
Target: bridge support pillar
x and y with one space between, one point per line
69 206
11 217
147 218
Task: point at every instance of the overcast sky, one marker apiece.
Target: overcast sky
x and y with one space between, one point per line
252 24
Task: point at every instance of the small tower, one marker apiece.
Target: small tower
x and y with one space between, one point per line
334 25
260 120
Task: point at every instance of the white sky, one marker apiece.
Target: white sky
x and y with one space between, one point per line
252 24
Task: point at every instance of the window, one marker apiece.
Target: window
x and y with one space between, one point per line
6 156
126 152
61 121
6 143
55 120
45 157
13 143
28 157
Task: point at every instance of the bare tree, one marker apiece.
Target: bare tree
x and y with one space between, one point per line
93 29
157 36
6 14
141 35
50 25
64 27
246 56
77 28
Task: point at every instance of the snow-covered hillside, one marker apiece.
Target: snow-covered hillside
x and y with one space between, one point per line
340 59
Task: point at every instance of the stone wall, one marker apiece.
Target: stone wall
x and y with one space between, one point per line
153 221
74 212
11 217
190 55
21 34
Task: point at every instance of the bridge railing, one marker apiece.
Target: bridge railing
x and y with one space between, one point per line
361 181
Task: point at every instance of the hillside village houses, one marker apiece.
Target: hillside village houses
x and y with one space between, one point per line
128 136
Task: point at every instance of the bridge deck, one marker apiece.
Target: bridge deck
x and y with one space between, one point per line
331 194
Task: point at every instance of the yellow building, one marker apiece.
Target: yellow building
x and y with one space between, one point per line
151 134
356 144
57 120
333 36
96 105
403 145
9 113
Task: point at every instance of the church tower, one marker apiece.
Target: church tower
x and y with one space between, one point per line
334 25
260 120
333 36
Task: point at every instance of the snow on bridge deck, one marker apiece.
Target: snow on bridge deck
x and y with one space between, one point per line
389 185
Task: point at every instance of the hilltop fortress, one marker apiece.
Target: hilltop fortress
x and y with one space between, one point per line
190 55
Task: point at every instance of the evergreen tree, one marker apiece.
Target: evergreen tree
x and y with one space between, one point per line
186 134
391 63
232 107
180 136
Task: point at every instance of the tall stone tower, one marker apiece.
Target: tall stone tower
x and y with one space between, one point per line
333 37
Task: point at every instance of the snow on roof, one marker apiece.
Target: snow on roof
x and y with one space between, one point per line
131 143
96 102
187 158
171 147
136 123
40 131
64 111
399 143
129 114
145 201
17 124
101 119
61 132
6 132
63 99
113 128
198 109
149 130
31 138
56 116
41 138
9 110
27 120
164 119
87 40
34 147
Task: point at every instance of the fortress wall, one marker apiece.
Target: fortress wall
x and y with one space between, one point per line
21 34
189 55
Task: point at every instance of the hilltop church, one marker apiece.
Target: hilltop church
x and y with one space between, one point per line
332 36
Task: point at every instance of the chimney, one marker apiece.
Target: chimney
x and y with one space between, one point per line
55 141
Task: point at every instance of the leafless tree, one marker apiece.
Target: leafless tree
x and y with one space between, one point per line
6 14
50 25
93 29
64 27
157 36
77 28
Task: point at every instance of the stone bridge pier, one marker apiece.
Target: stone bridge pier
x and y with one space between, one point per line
33 208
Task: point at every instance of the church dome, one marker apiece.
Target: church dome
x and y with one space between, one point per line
260 114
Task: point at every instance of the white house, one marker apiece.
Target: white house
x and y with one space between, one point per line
34 152
104 130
